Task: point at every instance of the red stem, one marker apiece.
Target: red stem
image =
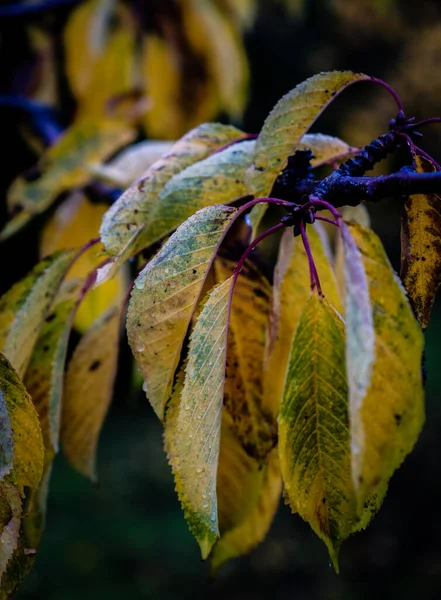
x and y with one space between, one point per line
315 281
317 202
391 91
319 218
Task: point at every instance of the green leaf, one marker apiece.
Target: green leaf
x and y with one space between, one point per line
133 209
44 377
289 120
313 427
24 307
11 506
253 423
64 166
250 531
22 450
421 246
386 421
165 296
217 179
291 292
88 391
197 427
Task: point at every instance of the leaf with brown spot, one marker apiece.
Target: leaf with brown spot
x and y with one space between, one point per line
24 307
88 391
421 245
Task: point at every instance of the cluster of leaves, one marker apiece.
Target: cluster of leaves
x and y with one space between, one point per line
316 386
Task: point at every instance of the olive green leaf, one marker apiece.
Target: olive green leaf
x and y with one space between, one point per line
361 345
165 296
88 391
24 307
289 120
291 292
421 246
386 423
133 209
250 531
64 166
197 426
11 513
217 179
45 373
313 427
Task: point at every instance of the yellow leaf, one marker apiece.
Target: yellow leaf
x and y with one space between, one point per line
131 211
291 292
242 538
165 296
65 165
88 391
254 425
421 246
314 429
289 120
99 41
24 307
386 423
198 422
73 224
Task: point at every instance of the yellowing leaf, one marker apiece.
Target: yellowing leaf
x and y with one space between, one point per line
99 41
242 538
65 165
289 120
313 427
24 307
254 425
88 391
132 210
198 423
291 292
45 373
421 246
386 423
11 504
217 179
165 296
22 443
74 223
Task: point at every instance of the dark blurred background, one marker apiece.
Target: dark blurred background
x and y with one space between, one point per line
126 536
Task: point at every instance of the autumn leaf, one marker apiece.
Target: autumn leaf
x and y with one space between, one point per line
24 306
165 296
291 292
88 391
289 120
63 166
387 420
120 229
313 427
421 246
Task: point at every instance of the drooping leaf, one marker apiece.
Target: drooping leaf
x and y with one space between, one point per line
22 450
198 423
421 246
165 296
360 345
75 222
88 391
132 210
291 292
254 425
45 373
217 179
65 165
24 307
289 120
253 528
313 427
99 42
132 163
386 423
